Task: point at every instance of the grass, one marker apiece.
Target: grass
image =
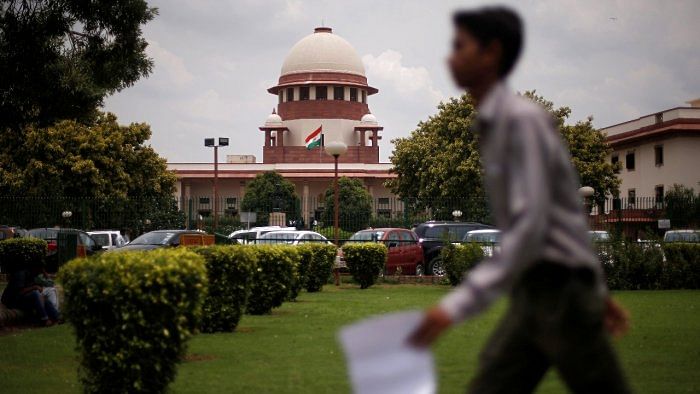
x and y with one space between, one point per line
294 349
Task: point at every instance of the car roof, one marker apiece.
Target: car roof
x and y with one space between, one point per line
385 229
451 223
484 231
682 231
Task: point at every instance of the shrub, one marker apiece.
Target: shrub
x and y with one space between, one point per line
458 259
365 261
316 265
17 253
275 278
229 275
630 265
133 313
682 265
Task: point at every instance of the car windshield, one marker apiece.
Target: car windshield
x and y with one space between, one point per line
682 237
367 236
44 233
483 237
276 238
453 233
101 239
153 238
599 236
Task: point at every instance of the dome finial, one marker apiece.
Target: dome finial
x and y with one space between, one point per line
323 29
273 111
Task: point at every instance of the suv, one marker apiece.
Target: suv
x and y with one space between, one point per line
682 236
433 236
108 239
404 252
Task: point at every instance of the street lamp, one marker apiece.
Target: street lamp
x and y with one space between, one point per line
211 143
457 214
335 149
586 192
66 217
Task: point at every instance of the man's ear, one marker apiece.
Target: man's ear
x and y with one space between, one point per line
492 54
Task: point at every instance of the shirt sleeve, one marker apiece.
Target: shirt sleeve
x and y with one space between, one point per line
528 199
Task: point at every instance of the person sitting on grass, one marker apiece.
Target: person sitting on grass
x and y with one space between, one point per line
23 294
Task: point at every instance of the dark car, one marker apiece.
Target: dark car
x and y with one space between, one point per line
434 235
166 238
85 244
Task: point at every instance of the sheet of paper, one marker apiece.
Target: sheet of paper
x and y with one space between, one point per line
381 361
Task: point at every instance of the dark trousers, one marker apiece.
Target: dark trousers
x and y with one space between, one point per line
33 301
555 320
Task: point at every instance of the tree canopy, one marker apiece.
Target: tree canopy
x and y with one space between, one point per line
438 164
355 205
270 192
60 58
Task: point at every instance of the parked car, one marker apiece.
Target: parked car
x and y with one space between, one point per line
291 237
85 246
404 250
432 236
599 236
488 239
108 239
167 238
682 236
7 232
244 237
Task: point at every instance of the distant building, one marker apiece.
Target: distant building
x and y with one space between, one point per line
657 151
322 85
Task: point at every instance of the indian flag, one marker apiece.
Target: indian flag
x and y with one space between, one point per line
313 140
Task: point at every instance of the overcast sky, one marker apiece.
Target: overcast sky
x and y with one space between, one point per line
214 60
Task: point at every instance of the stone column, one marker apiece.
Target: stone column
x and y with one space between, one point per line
267 138
362 137
280 137
186 203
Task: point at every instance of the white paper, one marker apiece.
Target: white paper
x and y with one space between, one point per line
380 359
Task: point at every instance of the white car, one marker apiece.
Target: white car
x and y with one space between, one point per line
108 239
599 236
245 237
682 236
488 238
292 237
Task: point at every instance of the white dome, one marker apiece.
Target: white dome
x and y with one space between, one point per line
273 120
323 51
369 119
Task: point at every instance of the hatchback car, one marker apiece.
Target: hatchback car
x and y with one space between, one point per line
108 239
167 238
244 237
489 240
433 235
85 244
404 251
291 238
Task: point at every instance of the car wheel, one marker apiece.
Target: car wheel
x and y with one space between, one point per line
420 270
436 267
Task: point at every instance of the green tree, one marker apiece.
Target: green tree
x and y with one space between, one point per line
270 192
439 167
682 206
60 58
355 205
104 171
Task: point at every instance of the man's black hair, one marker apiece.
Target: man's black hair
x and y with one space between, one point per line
495 24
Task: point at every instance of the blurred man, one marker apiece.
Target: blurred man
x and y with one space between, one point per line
560 307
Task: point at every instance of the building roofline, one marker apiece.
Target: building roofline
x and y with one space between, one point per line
644 116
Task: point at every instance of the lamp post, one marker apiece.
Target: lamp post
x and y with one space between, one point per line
456 214
336 149
211 143
66 218
586 192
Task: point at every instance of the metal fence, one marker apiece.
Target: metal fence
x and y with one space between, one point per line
134 216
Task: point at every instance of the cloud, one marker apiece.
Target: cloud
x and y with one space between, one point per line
413 81
168 66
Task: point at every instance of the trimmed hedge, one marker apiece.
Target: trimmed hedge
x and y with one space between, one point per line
649 266
365 261
133 313
458 259
316 265
230 274
682 265
17 253
275 279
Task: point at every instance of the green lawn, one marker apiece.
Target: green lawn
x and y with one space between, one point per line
294 349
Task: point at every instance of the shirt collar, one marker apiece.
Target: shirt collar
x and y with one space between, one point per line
488 108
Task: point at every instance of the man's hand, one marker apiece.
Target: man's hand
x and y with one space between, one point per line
434 323
617 319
